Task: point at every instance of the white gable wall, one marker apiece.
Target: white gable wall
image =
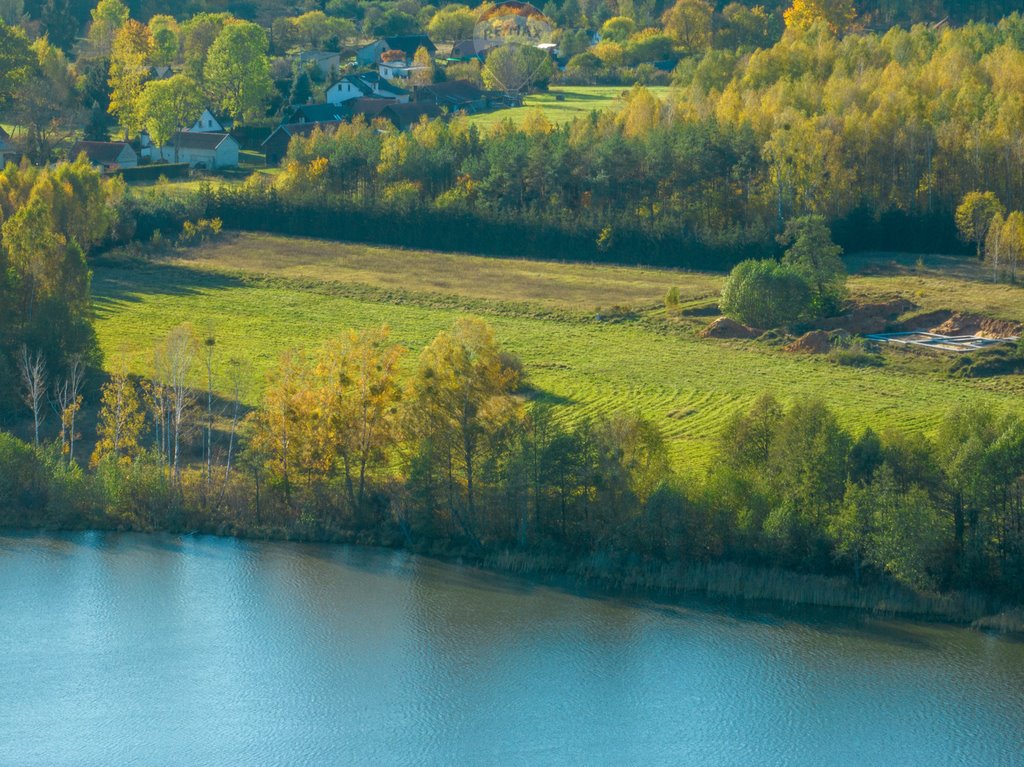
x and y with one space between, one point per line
224 156
206 123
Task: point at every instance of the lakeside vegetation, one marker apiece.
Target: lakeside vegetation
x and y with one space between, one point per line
652 419
157 373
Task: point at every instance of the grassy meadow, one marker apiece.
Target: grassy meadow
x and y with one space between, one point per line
261 294
577 101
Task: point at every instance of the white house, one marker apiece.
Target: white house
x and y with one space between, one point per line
368 84
397 70
211 151
145 148
208 122
108 156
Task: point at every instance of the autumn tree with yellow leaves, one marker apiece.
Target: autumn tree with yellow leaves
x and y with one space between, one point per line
839 15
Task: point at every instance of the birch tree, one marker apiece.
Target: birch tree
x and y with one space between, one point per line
175 361
32 368
67 401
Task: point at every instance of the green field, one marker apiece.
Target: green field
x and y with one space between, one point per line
262 294
578 100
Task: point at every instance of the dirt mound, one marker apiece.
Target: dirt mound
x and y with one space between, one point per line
815 342
976 325
926 321
868 318
723 327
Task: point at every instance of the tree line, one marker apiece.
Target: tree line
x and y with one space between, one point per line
869 131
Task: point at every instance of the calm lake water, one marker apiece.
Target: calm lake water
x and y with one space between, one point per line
149 650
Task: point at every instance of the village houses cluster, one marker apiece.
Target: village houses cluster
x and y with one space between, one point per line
378 87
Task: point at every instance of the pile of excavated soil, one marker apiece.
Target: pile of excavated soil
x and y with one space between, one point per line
815 342
723 327
868 318
926 321
976 325
949 323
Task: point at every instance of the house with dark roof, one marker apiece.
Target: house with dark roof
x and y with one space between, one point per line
366 84
404 116
160 72
107 156
275 147
211 151
454 96
467 50
317 113
8 153
370 54
368 107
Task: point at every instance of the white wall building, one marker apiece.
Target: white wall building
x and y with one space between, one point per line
212 151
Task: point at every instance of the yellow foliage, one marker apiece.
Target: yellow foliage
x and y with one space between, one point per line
837 14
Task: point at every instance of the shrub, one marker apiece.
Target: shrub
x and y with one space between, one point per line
856 358
765 294
855 353
21 486
202 230
672 300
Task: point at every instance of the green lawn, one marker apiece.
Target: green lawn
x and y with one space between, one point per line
579 100
260 295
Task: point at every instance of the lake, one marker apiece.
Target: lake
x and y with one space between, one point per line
162 650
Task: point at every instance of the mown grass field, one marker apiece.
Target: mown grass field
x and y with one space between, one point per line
578 101
261 294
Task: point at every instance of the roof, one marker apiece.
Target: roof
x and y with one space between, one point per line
301 129
370 82
463 49
368 106
404 115
409 43
197 140
318 55
316 113
102 152
450 92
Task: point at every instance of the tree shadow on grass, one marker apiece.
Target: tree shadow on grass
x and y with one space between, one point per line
545 397
131 284
573 96
896 264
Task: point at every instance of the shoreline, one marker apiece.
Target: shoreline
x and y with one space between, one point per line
660 582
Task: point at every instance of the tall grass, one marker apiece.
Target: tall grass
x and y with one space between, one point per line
735 581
